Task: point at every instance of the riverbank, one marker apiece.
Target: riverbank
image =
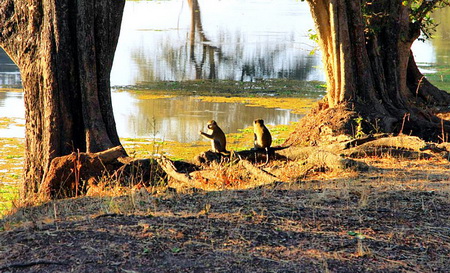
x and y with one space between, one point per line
12 151
296 96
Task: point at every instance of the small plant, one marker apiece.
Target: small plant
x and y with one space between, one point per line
361 250
175 250
359 129
313 36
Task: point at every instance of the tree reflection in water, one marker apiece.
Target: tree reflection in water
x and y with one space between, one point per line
181 46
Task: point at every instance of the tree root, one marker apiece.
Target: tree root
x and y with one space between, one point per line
399 146
68 174
74 174
262 176
313 157
201 179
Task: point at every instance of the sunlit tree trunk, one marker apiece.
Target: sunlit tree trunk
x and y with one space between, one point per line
64 50
369 66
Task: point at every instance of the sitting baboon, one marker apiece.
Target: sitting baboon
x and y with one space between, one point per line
217 137
263 138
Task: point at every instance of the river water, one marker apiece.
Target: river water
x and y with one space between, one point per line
243 40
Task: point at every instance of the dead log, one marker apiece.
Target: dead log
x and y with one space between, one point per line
182 180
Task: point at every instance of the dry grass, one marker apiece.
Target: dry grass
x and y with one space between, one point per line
392 218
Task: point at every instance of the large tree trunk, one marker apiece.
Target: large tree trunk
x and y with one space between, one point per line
64 50
370 69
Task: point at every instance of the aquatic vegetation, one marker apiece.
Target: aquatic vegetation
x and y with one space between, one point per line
154 96
296 105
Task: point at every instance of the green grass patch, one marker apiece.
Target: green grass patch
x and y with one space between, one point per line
13 156
8 193
441 78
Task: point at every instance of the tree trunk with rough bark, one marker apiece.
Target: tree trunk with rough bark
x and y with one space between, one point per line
371 73
64 50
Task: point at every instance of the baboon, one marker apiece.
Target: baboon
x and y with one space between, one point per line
217 137
263 138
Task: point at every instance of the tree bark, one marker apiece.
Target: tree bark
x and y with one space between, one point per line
64 50
370 69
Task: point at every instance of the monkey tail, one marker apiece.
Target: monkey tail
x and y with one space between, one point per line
267 155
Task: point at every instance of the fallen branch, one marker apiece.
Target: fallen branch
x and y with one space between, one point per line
167 165
185 180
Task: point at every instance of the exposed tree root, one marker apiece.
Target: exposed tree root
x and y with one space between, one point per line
67 175
312 157
401 146
238 170
338 156
262 176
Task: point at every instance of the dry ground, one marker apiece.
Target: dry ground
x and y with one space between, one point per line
393 218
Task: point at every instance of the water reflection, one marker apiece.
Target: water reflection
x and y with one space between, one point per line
213 39
433 56
441 40
175 119
204 55
180 118
12 107
223 39
9 72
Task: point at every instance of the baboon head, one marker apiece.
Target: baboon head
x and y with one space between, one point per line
212 124
258 121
